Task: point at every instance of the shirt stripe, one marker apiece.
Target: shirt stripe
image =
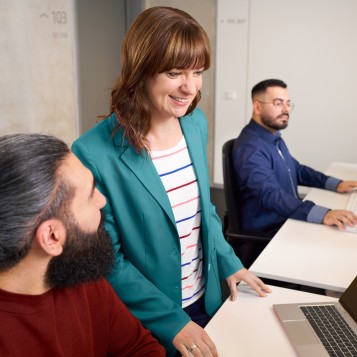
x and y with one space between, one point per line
186 218
178 169
182 203
186 184
167 155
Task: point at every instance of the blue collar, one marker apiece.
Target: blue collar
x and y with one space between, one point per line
265 134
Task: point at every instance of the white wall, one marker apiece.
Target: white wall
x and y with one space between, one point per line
312 46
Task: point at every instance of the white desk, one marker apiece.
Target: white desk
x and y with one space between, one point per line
313 254
248 327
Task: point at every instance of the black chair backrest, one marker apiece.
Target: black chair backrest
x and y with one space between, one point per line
231 193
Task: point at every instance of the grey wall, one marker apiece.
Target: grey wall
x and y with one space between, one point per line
100 32
37 68
58 62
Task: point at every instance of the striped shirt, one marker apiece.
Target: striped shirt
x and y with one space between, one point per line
177 174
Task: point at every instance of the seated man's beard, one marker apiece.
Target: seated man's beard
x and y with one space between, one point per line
85 257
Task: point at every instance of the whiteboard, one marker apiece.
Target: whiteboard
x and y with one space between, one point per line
38 71
309 44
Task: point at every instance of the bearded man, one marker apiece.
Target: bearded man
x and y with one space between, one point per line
268 176
54 254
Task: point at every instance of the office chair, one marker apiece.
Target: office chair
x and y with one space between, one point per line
246 246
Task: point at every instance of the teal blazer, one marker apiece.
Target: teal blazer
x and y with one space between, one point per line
140 221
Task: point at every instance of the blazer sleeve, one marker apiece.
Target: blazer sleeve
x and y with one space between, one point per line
154 309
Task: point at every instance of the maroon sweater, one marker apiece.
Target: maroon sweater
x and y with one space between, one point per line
84 321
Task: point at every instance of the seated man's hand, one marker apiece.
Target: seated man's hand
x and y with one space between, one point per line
249 278
194 335
346 186
340 218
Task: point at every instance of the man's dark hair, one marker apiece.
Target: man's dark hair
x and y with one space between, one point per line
31 190
262 86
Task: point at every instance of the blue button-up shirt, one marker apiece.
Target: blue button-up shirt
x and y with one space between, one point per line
268 177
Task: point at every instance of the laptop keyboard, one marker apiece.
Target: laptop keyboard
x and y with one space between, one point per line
334 333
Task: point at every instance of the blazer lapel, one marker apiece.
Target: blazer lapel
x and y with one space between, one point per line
145 171
197 154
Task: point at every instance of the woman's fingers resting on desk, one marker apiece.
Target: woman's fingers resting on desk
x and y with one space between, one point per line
249 278
195 340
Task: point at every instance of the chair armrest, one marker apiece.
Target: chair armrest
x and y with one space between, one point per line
246 237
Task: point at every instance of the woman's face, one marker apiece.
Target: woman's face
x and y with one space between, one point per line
172 92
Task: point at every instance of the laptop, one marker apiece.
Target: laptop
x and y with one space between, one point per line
307 325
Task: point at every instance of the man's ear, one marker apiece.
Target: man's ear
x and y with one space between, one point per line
256 107
51 236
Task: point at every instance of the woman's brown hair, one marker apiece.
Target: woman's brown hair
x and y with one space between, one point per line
159 40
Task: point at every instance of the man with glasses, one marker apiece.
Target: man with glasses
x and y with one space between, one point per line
268 176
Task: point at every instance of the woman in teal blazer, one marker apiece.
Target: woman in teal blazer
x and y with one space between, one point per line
138 214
